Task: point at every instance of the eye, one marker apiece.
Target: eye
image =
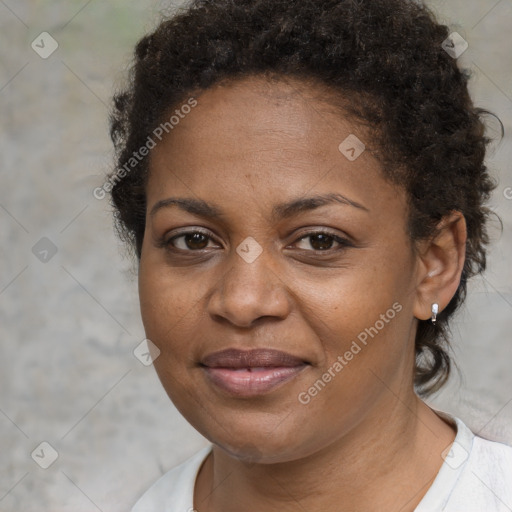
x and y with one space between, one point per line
189 241
192 241
323 241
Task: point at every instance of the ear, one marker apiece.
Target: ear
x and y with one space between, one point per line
440 263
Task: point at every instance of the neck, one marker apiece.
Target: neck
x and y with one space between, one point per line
387 462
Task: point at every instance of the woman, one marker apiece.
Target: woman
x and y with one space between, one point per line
303 184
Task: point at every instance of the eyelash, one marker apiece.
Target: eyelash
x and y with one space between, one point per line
343 242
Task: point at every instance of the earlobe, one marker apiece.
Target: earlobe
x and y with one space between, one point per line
440 266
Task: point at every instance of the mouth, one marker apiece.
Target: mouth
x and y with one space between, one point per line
251 373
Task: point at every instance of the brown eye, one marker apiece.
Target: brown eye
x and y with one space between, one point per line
323 241
191 241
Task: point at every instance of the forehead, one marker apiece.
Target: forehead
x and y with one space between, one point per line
266 139
261 106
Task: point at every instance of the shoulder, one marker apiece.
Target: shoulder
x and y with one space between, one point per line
491 458
174 490
486 480
476 475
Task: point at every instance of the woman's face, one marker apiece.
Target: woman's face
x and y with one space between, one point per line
258 275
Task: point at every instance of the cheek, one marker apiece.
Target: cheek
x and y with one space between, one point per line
167 311
363 317
364 360
169 302
352 300
161 316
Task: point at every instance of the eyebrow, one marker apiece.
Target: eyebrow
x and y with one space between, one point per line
280 211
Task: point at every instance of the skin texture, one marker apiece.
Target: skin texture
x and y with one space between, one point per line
365 441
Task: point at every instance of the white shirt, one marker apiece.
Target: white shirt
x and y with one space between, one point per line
476 476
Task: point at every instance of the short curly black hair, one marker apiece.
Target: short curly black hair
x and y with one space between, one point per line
386 56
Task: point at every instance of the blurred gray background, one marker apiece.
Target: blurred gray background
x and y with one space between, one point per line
69 314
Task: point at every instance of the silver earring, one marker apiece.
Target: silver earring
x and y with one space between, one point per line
435 310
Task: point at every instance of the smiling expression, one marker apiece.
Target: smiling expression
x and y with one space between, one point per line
260 234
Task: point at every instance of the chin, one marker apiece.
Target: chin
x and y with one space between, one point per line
253 446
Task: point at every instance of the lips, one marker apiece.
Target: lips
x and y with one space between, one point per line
253 372
256 358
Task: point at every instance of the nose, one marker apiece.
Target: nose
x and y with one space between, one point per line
249 291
